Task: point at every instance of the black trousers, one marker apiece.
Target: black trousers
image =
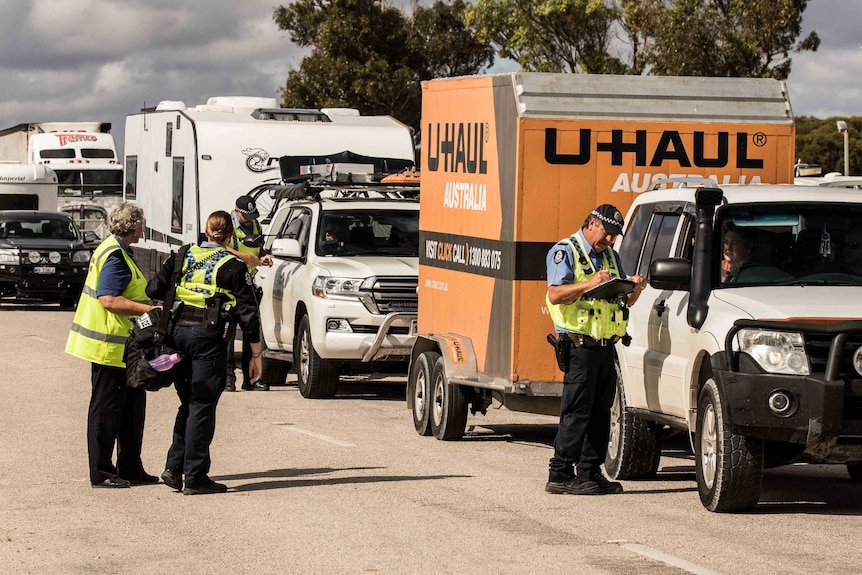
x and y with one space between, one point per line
199 385
115 417
231 352
589 386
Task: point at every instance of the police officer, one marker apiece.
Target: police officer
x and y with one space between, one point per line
213 285
113 292
587 330
247 245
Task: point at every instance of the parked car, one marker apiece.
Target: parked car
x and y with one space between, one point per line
43 256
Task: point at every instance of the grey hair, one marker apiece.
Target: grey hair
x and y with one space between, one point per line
125 217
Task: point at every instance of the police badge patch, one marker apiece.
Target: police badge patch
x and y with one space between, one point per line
558 256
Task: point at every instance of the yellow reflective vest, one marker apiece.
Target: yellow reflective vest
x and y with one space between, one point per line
599 319
239 234
198 279
97 334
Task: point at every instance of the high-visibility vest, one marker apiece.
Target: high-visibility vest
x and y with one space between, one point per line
198 278
97 334
597 318
239 234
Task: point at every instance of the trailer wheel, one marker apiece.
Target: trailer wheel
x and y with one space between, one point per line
634 446
274 371
317 377
729 466
420 390
855 471
448 407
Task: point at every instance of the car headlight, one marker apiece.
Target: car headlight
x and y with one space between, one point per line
775 351
81 257
9 257
333 287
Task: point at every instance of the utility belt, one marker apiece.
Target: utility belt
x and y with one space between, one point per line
564 342
214 318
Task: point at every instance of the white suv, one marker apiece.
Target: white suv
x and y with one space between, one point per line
341 296
749 336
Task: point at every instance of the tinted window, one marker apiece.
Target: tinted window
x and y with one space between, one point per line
97 153
659 241
634 238
131 177
364 232
177 196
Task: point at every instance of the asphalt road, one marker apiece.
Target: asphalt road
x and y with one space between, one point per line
347 486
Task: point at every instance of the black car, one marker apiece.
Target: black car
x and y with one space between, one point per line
43 256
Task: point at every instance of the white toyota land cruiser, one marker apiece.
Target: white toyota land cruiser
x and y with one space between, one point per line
340 297
748 338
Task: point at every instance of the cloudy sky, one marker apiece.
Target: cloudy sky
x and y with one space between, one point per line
100 60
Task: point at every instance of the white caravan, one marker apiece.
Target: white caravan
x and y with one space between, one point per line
28 187
184 163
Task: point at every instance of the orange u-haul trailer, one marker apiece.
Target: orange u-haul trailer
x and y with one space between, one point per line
513 162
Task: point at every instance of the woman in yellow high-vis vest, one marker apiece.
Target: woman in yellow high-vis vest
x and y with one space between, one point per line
112 294
215 289
589 327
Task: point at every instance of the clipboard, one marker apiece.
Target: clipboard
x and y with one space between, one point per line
613 288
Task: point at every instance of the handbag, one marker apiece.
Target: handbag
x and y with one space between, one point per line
151 358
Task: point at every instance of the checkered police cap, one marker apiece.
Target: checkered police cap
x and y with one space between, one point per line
610 217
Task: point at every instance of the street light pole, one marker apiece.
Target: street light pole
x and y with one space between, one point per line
842 127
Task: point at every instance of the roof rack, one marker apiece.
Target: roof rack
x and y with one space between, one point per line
683 182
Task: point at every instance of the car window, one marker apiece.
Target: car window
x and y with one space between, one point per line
367 232
45 228
296 227
659 240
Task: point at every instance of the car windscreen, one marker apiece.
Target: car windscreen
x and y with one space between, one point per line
35 227
368 232
789 244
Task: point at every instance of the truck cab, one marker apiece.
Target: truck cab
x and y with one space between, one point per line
747 337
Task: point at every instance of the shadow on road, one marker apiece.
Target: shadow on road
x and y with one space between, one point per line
287 478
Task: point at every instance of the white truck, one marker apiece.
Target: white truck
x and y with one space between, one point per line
748 338
183 163
84 157
341 297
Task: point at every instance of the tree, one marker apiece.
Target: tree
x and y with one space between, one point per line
369 56
550 35
819 142
734 38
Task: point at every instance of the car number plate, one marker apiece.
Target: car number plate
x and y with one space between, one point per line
44 269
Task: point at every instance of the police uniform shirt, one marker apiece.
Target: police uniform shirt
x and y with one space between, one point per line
116 274
560 262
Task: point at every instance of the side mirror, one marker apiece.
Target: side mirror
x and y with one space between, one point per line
286 248
90 237
254 241
670 274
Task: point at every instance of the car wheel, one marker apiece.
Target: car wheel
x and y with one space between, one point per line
317 377
419 389
729 466
448 408
634 446
855 471
274 371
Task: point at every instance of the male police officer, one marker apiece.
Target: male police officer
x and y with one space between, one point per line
586 330
247 245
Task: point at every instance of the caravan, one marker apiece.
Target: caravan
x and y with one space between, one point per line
28 187
184 163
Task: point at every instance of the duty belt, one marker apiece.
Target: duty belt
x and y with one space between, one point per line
191 316
580 340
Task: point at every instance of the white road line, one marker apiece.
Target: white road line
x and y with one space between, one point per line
665 558
313 434
40 339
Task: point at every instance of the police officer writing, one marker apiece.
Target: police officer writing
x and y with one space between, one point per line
247 245
113 292
214 289
586 331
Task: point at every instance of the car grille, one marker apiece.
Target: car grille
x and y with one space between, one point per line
396 294
817 345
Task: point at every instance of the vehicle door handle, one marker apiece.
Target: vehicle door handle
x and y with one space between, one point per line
660 307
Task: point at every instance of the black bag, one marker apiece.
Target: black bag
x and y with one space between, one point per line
146 343
149 339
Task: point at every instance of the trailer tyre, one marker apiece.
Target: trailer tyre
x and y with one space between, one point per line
729 466
634 445
855 471
420 390
448 407
317 377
